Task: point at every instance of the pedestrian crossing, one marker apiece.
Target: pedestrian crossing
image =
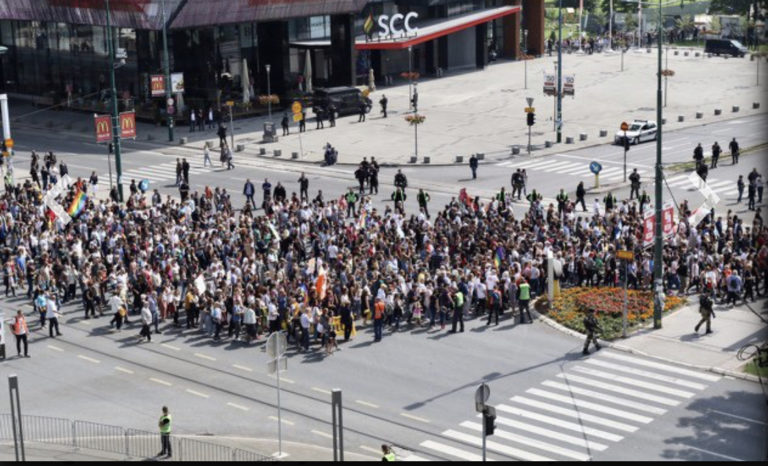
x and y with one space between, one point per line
572 168
589 407
163 172
721 187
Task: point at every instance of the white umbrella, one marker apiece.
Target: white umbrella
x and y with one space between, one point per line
245 82
308 72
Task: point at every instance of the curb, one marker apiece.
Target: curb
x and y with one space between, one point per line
627 349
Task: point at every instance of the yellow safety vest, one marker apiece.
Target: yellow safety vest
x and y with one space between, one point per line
525 291
389 457
165 428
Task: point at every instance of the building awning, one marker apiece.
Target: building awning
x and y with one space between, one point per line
197 13
137 14
433 30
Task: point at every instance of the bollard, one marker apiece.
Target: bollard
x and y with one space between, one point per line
755 105
735 108
413 159
294 155
515 150
680 118
459 159
182 141
277 152
569 140
676 53
262 151
699 115
685 54
480 156
547 144
239 147
603 133
697 54
718 111
663 121
426 159
583 137
647 50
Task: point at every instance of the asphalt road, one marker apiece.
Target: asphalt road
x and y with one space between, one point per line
415 388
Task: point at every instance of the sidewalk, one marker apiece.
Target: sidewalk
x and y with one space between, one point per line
482 111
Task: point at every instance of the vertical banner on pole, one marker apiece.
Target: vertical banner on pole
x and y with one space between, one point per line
103 126
157 85
128 125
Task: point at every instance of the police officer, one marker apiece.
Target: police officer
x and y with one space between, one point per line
388 454
363 108
562 200
458 311
332 115
473 166
734 147
610 202
351 198
284 124
716 150
383 103
165 432
398 197
634 179
591 326
303 187
423 198
580 193
707 312
400 180
20 331
698 155
644 199
523 298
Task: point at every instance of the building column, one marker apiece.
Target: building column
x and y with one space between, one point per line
343 47
533 21
273 51
510 47
481 47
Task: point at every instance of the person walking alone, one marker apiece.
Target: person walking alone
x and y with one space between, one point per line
707 312
716 151
164 424
580 193
284 124
20 331
740 187
383 103
473 166
249 191
363 107
303 187
591 326
207 156
51 314
734 147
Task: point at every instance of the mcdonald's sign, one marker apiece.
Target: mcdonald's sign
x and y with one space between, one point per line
157 85
103 125
128 125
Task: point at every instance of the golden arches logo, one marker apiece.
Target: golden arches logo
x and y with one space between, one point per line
102 127
127 122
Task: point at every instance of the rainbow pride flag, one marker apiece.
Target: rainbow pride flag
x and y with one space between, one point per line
498 256
78 204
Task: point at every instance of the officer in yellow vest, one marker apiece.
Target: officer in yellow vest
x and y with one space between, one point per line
389 455
523 298
165 432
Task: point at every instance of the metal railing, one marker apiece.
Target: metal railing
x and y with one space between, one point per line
131 443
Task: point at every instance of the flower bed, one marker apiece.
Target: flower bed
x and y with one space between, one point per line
570 307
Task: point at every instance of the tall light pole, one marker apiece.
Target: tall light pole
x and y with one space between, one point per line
410 74
610 27
115 116
269 93
525 55
167 73
559 116
659 240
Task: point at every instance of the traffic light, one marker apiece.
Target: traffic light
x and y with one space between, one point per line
531 118
626 143
489 416
415 101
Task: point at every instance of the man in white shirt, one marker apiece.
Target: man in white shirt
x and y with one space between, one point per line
51 313
146 320
305 330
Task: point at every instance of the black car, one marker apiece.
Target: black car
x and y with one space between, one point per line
346 99
725 47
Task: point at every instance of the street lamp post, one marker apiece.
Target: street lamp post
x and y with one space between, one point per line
610 27
525 56
410 74
559 116
167 73
666 78
659 244
416 125
115 117
269 92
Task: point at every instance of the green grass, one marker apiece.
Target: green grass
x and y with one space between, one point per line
752 368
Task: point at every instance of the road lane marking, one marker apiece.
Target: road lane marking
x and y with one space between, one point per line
171 347
739 417
284 421
415 418
602 396
646 374
730 458
161 382
497 447
574 414
634 382
321 434
123 369
237 406
89 359
453 451
365 403
589 405
525 427
203 356
619 389
201 395
584 430
320 390
55 348
529 442
242 368
86 322
282 379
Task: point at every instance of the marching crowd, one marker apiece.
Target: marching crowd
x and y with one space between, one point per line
315 267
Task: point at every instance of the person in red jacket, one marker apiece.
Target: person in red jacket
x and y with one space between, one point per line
21 331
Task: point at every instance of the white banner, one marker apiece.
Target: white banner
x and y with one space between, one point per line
699 214
200 284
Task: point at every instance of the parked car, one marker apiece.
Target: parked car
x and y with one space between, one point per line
639 131
725 47
346 99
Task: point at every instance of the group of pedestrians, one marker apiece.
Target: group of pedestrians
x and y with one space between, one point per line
698 156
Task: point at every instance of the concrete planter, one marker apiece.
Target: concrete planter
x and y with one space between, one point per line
294 155
735 109
262 151
583 137
459 159
677 53
426 159
569 140
755 105
699 115
718 111
547 144
603 133
239 147
685 54
680 118
663 121
480 156
697 54
515 150
277 152
413 159
182 141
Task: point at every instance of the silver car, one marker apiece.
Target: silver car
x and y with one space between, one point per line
639 131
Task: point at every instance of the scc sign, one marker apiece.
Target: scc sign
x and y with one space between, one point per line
389 26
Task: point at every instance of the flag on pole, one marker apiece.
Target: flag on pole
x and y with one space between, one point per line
368 25
361 219
78 204
498 257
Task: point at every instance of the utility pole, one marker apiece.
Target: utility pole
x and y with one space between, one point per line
525 55
659 240
610 27
559 116
115 116
167 72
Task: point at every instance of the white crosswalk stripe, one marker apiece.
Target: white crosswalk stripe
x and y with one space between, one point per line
661 366
494 446
524 426
604 397
589 405
650 375
557 166
449 450
634 382
619 389
582 429
530 442
574 414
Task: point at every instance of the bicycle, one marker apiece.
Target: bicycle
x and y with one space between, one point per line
759 356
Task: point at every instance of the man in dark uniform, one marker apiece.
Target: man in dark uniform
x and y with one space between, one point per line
398 197
373 176
383 103
644 199
332 115
580 193
185 170
715 154
562 199
183 190
303 122
473 166
284 124
266 188
591 326
698 155
634 180
734 147
362 107
610 202
707 312
303 187
400 180
423 199
361 175
222 133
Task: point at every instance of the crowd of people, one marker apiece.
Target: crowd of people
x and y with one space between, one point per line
315 268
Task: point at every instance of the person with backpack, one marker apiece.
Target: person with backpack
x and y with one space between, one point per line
707 313
423 198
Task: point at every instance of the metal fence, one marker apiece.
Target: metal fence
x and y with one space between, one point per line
131 443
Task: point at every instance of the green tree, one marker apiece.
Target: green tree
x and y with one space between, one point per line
618 6
630 22
715 25
685 23
731 7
